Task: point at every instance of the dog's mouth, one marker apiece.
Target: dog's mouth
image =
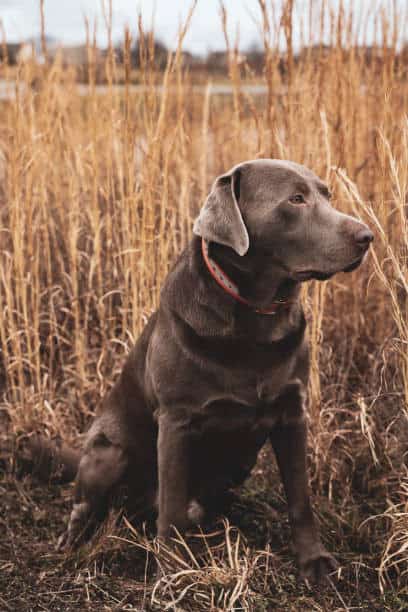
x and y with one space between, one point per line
354 265
305 275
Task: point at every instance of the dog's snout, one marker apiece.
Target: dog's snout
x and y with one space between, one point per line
364 237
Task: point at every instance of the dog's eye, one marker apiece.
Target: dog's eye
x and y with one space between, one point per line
298 198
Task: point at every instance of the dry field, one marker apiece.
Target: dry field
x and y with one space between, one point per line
97 197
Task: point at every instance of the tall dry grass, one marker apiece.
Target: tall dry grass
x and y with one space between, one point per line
97 197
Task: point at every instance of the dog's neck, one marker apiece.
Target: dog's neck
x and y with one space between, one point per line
196 297
260 279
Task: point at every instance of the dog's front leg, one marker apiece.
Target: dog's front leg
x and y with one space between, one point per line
173 460
289 442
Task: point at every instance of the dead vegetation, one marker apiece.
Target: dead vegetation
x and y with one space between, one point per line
97 197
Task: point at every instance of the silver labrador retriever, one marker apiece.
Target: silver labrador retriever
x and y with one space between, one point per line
222 366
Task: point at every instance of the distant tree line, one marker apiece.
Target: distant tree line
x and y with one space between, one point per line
153 50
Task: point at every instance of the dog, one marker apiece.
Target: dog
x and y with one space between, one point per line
222 366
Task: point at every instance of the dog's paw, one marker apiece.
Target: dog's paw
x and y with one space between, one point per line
316 569
195 513
62 543
69 541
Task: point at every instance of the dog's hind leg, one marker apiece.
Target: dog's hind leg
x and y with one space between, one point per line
101 468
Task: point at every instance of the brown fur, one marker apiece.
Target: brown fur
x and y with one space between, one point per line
210 381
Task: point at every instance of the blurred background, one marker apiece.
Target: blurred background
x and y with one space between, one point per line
67 24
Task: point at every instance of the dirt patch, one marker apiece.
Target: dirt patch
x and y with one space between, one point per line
115 573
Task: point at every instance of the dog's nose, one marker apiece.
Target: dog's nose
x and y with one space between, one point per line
364 237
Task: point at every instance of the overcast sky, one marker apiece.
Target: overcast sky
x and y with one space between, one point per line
65 19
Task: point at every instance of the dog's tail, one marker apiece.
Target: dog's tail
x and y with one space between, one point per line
49 460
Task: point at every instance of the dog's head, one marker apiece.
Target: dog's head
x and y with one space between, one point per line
281 209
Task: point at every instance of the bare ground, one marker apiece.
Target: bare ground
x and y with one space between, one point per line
117 574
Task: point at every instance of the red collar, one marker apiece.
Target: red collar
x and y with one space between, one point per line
224 281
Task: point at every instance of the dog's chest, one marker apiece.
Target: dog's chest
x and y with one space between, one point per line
246 402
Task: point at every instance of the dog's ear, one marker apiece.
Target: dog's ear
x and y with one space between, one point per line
220 219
